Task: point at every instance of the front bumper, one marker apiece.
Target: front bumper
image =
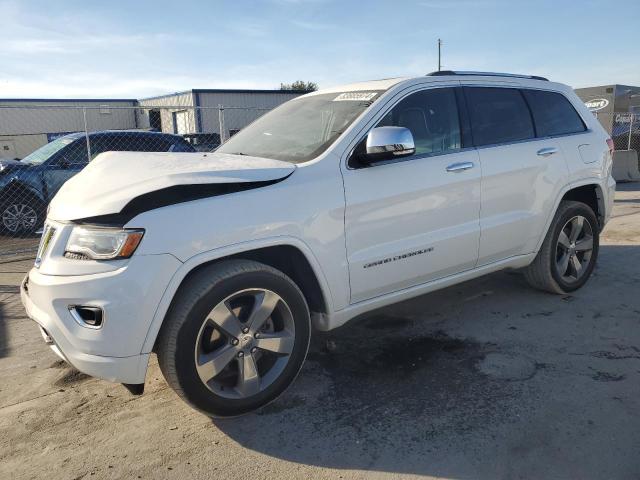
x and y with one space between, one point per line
129 297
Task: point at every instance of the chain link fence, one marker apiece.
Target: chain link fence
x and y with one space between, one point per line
624 129
41 147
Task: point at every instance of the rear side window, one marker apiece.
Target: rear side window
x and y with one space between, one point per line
553 113
145 143
498 115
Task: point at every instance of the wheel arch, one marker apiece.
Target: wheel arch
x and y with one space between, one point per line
292 256
588 191
590 194
16 187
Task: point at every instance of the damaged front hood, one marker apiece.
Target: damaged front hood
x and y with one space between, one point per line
115 181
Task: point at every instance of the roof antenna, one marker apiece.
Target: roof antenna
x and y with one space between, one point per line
439 56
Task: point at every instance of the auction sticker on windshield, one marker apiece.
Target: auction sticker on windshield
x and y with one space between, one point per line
355 96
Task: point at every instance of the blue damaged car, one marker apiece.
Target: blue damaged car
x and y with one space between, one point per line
27 186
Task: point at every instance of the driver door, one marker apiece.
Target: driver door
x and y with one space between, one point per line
414 219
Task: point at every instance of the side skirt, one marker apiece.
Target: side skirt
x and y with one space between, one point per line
339 318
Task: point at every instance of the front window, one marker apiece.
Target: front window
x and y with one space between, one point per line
300 129
45 152
432 118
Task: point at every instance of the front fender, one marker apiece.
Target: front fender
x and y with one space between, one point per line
223 252
17 186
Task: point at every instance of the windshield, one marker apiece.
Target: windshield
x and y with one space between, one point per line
45 152
300 129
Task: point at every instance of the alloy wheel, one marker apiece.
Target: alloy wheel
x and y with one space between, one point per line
574 249
245 343
19 217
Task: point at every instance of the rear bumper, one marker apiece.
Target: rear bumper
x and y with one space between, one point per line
129 297
609 199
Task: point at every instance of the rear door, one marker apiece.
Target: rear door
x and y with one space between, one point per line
415 219
521 174
555 117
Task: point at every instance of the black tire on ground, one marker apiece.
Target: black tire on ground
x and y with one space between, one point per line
180 333
543 272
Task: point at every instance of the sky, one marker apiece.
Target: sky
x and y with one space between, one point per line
137 49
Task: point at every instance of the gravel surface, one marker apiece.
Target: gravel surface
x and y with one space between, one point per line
487 379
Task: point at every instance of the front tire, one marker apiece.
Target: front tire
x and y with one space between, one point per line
569 252
21 216
235 337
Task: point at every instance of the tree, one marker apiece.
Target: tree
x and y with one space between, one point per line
300 85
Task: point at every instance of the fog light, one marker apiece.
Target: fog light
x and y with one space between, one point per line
87 316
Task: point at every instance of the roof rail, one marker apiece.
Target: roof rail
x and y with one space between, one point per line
485 74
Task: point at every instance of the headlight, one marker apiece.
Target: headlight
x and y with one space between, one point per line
97 243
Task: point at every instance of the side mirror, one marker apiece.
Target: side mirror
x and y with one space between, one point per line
387 143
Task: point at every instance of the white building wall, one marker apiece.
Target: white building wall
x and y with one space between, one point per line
168 105
27 125
33 117
19 146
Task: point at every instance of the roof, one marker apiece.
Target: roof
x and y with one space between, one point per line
383 84
118 132
68 100
444 76
469 73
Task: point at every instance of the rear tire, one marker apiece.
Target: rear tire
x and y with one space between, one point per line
235 337
569 252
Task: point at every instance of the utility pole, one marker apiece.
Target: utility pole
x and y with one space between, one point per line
439 63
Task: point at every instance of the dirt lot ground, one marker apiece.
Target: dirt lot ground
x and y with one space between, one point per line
488 379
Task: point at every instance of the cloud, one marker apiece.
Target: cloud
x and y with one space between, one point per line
69 44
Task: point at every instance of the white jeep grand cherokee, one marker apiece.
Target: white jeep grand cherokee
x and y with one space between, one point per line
336 203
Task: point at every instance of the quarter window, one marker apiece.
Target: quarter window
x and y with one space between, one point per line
498 115
432 118
553 114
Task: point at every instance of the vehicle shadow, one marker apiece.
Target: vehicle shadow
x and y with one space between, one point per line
4 341
487 379
4 318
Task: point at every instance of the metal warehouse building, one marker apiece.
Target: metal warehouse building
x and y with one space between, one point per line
27 124
209 110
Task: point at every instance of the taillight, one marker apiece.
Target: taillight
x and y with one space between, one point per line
610 145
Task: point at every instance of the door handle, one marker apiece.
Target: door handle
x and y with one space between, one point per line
459 167
545 152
